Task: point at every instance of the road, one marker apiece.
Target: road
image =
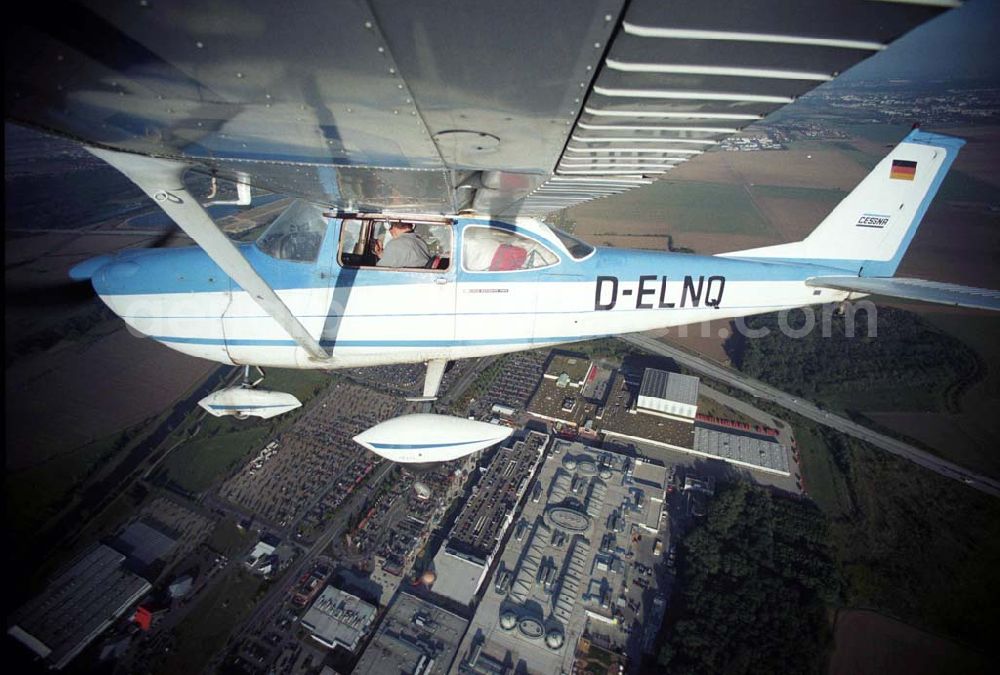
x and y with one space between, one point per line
757 388
459 387
280 591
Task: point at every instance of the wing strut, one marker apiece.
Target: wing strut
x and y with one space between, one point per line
162 180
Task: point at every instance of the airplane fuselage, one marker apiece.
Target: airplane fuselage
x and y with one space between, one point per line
373 315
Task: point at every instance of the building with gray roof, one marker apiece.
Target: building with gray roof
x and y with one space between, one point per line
338 618
463 559
77 606
415 638
568 572
668 394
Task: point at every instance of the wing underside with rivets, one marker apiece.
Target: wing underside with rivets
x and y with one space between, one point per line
508 108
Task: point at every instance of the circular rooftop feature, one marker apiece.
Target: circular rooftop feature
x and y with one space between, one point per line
568 519
554 639
605 473
569 463
508 620
586 468
530 628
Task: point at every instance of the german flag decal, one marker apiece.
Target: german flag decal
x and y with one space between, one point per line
903 169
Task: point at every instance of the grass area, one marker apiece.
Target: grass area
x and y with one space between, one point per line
205 629
611 349
196 465
227 539
918 546
687 207
981 333
880 133
867 160
831 195
303 384
224 442
35 495
823 479
961 187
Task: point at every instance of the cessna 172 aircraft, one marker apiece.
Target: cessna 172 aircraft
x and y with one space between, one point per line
464 122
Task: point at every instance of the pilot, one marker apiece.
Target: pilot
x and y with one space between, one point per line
405 249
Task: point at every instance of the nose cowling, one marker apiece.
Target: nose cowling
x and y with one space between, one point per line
85 270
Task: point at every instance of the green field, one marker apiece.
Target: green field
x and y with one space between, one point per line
961 187
227 539
196 465
880 133
917 546
205 629
35 495
223 443
685 206
810 194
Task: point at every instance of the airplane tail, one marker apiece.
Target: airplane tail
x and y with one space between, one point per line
869 231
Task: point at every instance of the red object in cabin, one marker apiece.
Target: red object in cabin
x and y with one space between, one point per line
508 257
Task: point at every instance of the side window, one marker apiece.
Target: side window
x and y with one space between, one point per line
490 249
297 234
369 243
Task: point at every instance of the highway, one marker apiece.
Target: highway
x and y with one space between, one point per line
758 389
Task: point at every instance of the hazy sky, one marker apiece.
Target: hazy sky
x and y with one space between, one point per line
961 43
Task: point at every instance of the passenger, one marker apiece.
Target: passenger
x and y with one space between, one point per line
405 249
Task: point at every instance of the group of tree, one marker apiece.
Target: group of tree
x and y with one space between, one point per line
754 580
897 361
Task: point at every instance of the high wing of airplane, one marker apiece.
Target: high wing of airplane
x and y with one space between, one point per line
454 124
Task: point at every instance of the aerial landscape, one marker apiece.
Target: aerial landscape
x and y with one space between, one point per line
810 490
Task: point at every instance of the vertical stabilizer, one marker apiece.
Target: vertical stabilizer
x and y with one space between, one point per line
869 231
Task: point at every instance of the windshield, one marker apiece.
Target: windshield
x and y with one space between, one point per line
577 247
296 234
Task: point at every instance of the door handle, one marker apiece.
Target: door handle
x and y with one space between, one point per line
440 281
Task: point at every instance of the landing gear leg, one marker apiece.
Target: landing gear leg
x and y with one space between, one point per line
432 382
246 383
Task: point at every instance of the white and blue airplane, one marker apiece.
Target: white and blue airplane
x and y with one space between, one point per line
403 118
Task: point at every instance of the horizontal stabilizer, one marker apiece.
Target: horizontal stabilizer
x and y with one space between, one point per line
914 289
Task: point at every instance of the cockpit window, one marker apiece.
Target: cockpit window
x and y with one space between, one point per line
577 247
489 249
297 234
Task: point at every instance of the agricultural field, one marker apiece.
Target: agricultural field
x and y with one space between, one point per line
868 642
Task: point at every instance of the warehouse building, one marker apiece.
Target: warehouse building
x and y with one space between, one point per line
338 618
669 395
415 637
77 606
